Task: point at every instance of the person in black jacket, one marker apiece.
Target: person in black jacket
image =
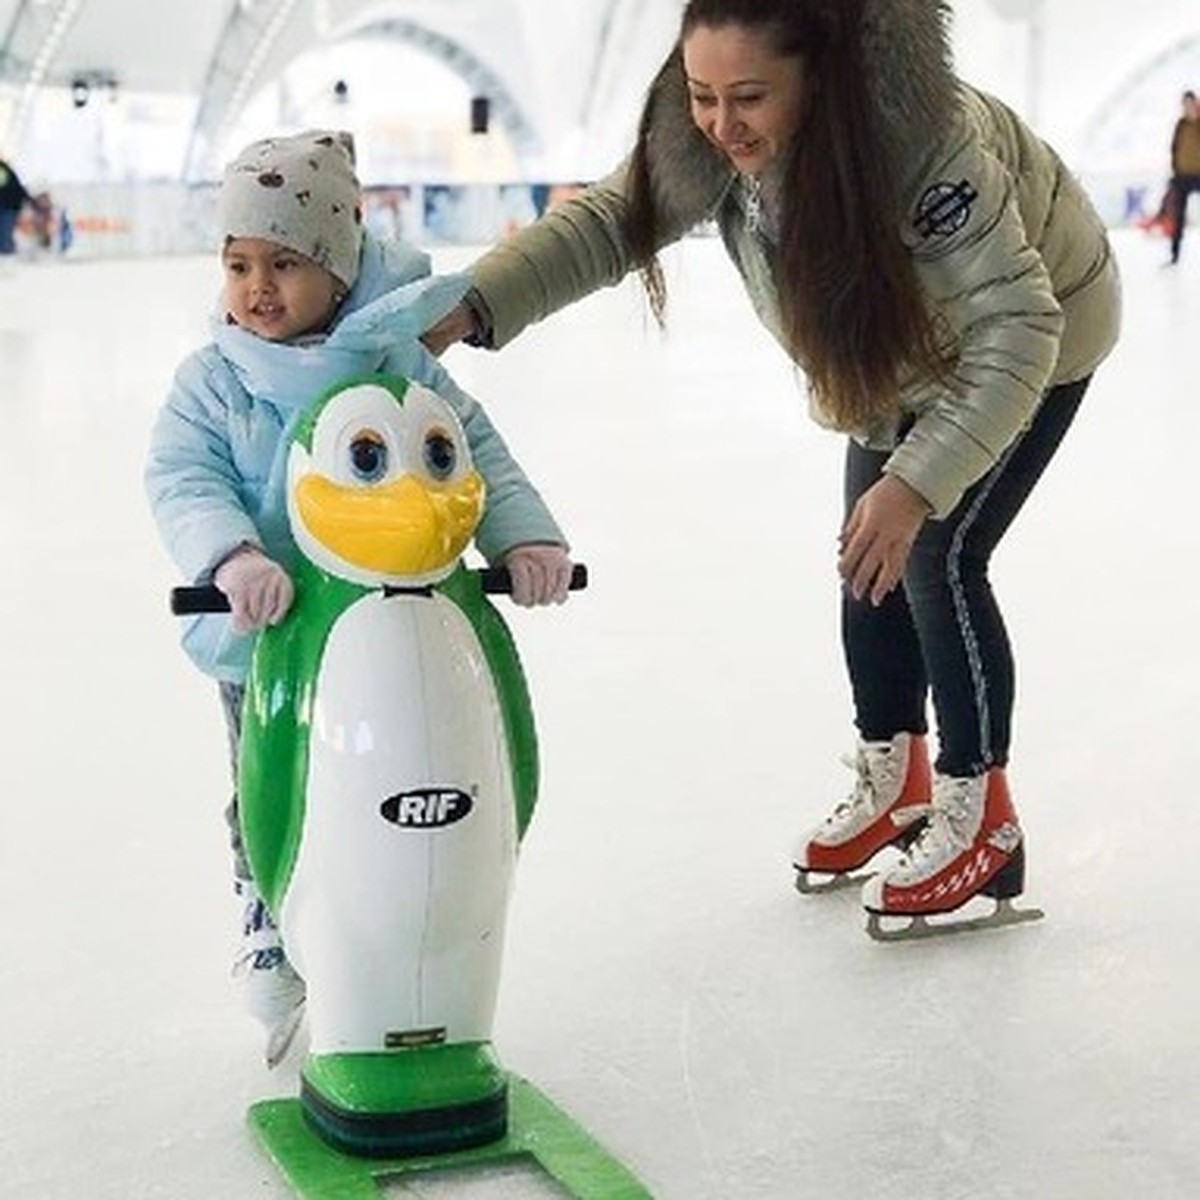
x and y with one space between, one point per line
13 197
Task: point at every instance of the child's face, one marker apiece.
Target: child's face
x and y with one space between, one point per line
275 292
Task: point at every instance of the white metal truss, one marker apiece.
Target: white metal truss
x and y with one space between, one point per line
476 74
248 37
1137 117
249 33
30 44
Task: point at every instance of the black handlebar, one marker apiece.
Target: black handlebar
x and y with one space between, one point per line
208 598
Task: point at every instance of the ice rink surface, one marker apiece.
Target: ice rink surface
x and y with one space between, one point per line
727 1037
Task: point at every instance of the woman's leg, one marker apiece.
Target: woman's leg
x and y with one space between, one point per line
963 640
891 762
972 844
888 680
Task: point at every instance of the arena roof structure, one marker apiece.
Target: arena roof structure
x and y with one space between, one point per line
1096 77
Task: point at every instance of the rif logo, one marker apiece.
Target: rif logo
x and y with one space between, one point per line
944 208
426 808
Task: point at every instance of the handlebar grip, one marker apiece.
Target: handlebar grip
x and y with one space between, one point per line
204 598
208 598
498 582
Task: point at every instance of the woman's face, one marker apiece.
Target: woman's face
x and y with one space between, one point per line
745 97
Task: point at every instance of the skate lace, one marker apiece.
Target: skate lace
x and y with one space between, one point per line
951 819
873 770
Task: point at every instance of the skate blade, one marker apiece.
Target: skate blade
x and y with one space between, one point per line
283 1036
818 883
917 927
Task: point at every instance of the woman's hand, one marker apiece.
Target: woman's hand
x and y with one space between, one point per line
876 541
457 324
541 574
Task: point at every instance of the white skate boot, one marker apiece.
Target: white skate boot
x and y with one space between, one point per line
971 845
271 990
891 777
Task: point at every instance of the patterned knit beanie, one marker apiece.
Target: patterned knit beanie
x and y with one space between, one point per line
300 192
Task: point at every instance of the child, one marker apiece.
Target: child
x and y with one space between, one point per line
310 297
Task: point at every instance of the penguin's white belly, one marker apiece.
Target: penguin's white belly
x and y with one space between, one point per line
395 911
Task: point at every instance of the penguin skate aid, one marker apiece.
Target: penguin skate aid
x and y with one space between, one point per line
388 771
959 841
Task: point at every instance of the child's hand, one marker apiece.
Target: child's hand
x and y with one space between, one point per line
541 574
260 591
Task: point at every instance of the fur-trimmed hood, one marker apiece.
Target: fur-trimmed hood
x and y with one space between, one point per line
906 51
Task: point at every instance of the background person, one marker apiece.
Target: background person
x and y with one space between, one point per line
1185 167
13 198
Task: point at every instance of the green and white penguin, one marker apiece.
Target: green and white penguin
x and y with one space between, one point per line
388 770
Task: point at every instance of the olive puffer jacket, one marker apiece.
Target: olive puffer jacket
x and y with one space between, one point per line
1008 249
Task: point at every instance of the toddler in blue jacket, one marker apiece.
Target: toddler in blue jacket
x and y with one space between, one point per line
310 297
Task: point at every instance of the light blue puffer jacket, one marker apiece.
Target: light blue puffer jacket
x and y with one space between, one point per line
216 466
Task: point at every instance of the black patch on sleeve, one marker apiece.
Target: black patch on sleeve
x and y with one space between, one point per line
944 208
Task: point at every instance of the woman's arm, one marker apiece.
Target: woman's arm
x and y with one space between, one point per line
992 288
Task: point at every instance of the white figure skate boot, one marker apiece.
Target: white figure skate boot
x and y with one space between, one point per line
891 777
271 990
971 845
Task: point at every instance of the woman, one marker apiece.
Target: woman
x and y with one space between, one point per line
948 290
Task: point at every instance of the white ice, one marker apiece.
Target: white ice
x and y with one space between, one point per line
725 1036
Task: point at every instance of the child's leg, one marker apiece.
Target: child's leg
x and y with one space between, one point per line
271 989
232 697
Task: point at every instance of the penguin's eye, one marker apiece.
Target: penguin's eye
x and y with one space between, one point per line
440 454
369 456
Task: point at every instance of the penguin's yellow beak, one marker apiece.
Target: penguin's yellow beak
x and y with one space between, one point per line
406 527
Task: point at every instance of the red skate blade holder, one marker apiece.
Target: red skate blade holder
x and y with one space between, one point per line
810 882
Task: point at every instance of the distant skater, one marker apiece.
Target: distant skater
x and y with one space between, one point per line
13 198
1185 168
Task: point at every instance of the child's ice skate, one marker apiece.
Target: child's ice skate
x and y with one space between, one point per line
271 990
971 846
891 777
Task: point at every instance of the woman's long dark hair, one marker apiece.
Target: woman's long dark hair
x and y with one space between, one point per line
853 312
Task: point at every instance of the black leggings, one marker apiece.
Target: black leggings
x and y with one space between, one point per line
1182 186
942 632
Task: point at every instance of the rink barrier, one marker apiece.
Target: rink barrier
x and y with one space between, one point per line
141 220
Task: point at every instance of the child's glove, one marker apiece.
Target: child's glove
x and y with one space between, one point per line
260 591
541 574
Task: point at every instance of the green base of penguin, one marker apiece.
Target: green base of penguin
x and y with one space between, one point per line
535 1129
431 1100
